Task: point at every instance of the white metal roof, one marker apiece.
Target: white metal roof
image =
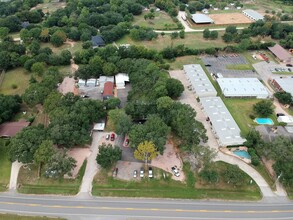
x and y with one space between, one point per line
199 81
222 121
201 18
254 14
286 119
286 84
242 87
99 127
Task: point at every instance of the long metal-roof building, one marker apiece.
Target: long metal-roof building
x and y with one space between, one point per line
201 19
254 15
200 82
225 128
243 87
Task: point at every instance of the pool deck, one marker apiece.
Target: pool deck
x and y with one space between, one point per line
229 151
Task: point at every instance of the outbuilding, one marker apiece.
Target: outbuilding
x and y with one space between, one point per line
252 14
243 88
98 41
199 81
281 54
120 80
201 19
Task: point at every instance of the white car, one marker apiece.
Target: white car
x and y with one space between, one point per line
150 172
175 171
141 173
134 173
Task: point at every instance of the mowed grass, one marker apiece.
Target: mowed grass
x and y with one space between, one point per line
239 67
18 77
76 46
31 184
240 109
191 40
275 5
5 165
180 61
159 187
161 21
19 217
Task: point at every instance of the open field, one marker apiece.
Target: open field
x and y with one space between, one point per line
50 6
18 77
262 5
191 40
68 45
5 166
180 61
162 21
230 18
31 184
19 217
159 187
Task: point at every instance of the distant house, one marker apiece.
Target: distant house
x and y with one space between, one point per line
280 53
98 41
253 15
201 19
108 91
270 133
10 129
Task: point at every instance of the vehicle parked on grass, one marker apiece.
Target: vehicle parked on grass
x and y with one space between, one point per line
107 137
134 173
150 172
175 171
112 137
141 173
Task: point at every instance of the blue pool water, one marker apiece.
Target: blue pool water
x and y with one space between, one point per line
264 121
242 153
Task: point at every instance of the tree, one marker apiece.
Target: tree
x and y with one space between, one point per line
44 153
112 103
174 88
231 29
228 37
58 38
59 165
108 155
214 35
233 176
206 33
122 122
209 175
182 34
146 151
284 97
9 106
263 108
4 31
38 68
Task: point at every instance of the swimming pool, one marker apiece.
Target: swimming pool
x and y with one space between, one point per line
242 153
264 121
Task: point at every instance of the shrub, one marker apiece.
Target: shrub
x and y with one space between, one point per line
14 86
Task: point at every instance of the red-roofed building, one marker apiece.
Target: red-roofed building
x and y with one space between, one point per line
10 129
108 90
282 54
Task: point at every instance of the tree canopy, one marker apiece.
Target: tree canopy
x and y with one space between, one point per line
108 155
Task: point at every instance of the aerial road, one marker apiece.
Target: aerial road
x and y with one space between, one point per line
126 208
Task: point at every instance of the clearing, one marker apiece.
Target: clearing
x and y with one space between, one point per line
161 21
230 18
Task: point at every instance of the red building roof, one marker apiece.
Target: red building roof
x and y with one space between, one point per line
10 129
108 89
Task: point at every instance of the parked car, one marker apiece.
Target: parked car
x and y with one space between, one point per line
150 172
85 96
175 171
288 64
280 114
107 137
135 173
126 142
112 137
141 173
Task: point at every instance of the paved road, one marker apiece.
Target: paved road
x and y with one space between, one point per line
122 208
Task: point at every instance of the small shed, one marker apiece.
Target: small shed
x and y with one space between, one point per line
108 90
98 41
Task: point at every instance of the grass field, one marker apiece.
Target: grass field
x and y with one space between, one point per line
191 40
19 217
66 46
5 166
18 77
31 184
180 61
105 185
239 67
270 5
162 21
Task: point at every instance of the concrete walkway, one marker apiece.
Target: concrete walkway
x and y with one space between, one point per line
188 97
15 167
92 167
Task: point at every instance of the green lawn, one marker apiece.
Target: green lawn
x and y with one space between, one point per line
5 166
180 61
239 67
269 5
162 21
31 184
19 217
105 185
191 40
66 46
18 77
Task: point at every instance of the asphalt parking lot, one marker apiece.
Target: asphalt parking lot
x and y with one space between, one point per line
218 65
122 94
92 92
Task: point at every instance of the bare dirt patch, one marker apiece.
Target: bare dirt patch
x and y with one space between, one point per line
230 18
79 154
68 85
169 159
